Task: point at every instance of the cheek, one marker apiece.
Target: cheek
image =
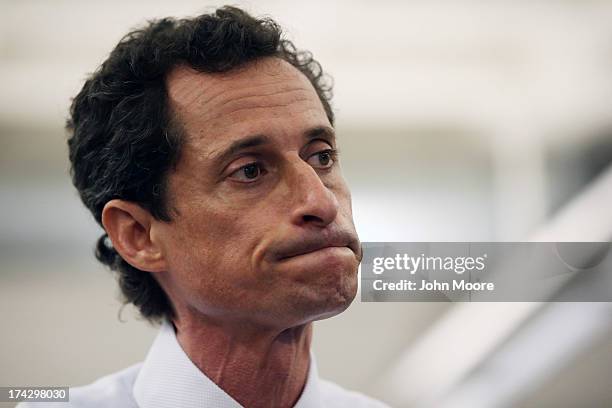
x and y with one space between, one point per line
213 242
206 262
200 239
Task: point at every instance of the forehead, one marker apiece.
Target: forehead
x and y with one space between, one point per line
266 93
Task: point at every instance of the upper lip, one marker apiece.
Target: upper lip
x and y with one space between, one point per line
316 241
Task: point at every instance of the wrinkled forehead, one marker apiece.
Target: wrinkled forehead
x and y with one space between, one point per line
189 89
264 94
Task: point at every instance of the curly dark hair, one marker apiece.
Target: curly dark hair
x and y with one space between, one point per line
122 137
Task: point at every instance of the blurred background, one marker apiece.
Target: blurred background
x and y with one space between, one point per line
458 121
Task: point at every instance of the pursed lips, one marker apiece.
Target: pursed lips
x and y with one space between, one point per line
317 242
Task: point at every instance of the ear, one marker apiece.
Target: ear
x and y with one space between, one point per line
128 226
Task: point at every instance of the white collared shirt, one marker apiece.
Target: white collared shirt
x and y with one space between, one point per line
168 378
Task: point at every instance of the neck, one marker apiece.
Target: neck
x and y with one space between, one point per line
258 367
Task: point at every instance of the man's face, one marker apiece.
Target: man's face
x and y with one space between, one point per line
262 230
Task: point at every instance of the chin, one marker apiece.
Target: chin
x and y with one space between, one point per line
324 301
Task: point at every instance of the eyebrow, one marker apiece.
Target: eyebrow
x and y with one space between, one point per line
247 142
324 132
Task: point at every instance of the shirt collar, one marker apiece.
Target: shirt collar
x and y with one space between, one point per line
169 378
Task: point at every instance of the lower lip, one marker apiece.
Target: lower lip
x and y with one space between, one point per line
322 254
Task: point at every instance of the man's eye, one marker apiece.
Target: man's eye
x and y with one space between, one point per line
249 173
323 159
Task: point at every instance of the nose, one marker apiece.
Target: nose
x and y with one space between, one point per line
313 202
